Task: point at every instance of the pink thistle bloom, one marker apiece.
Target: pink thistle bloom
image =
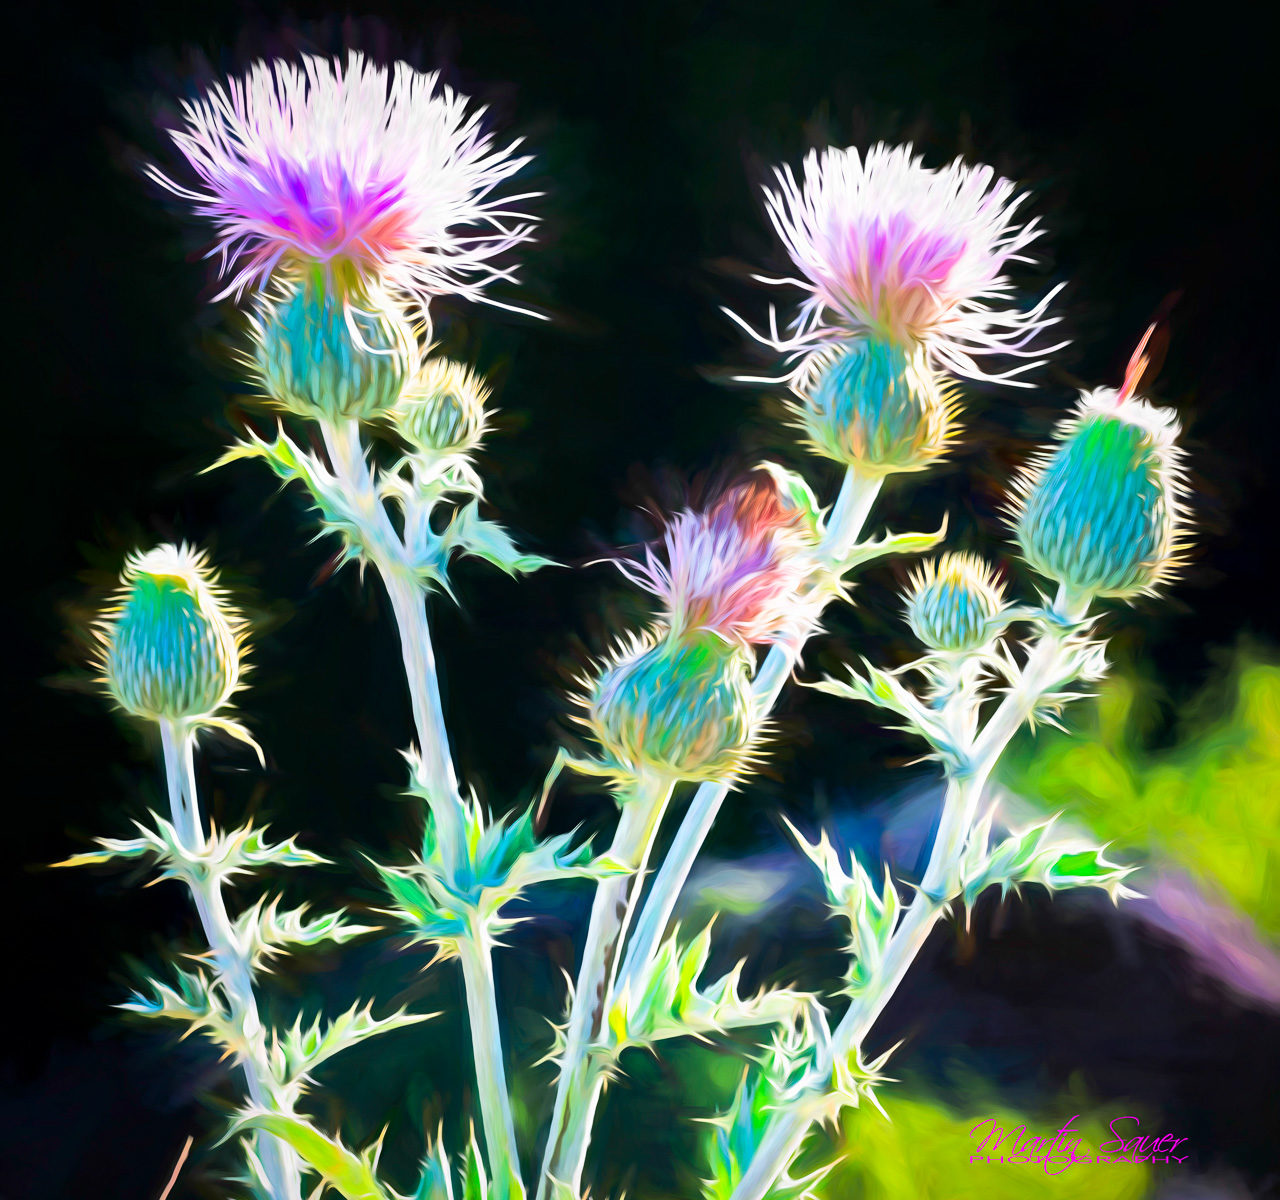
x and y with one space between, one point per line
738 569
890 249
350 169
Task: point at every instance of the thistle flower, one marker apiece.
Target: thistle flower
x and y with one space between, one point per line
891 250
954 603
441 411
678 702
872 405
170 645
737 569
1102 512
365 174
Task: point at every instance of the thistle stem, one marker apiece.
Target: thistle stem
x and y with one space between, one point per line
852 506
491 1078
579 1087
386 551
786 1131
279 1163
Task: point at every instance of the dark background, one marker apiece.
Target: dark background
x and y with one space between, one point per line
1145 133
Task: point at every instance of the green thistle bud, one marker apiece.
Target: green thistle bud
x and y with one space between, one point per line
954 604
170 644
679 706
441 410
327 352
1100 513
874 405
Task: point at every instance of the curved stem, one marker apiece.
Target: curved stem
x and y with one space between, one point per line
787 1129
579 1087
279 1162
385 550
852 506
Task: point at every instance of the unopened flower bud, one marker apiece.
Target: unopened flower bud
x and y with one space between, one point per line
954 603
1100 512
170 643
327 352
679 706
872 404
441 410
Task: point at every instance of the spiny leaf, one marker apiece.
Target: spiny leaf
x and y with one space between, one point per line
892 543
191 997
305 1047
265 930
350 1174
469 533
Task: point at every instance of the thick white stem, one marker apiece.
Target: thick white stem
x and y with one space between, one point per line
230 959
786 1131
853 505
491 1075
579 1087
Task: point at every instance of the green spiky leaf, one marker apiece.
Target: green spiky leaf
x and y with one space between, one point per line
469 533
350 1174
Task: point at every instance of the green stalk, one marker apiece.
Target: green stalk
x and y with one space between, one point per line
230 958
857 495
491 1080
408 597
579 1087
787 1129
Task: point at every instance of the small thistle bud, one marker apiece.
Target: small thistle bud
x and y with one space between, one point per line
441 411
679 706
326 352
170 643
954 604
1100 513
874 405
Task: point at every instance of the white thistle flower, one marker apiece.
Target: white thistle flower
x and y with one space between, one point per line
892 250
355 170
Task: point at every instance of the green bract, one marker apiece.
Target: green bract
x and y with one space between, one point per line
1099 512
680 707
324 351
954 603
171 647
873 405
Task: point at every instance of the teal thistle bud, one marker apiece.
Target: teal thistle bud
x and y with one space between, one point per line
441 410
1101 512
954 604
329 352
874 405
678 707
170 644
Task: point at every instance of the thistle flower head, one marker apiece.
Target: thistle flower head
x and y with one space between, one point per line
913 256
874 405
170 644
441 410
326 352
364 172
675 705
1102 511
954 603
735 569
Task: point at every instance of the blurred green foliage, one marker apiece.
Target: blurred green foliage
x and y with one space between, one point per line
922 1153
1209 803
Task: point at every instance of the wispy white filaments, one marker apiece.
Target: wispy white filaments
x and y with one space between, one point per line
886 247
386 173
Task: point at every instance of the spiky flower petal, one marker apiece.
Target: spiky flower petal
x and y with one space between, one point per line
954 603
1102 512
349 166
441 411
874 405
735 569
170 643
889 248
